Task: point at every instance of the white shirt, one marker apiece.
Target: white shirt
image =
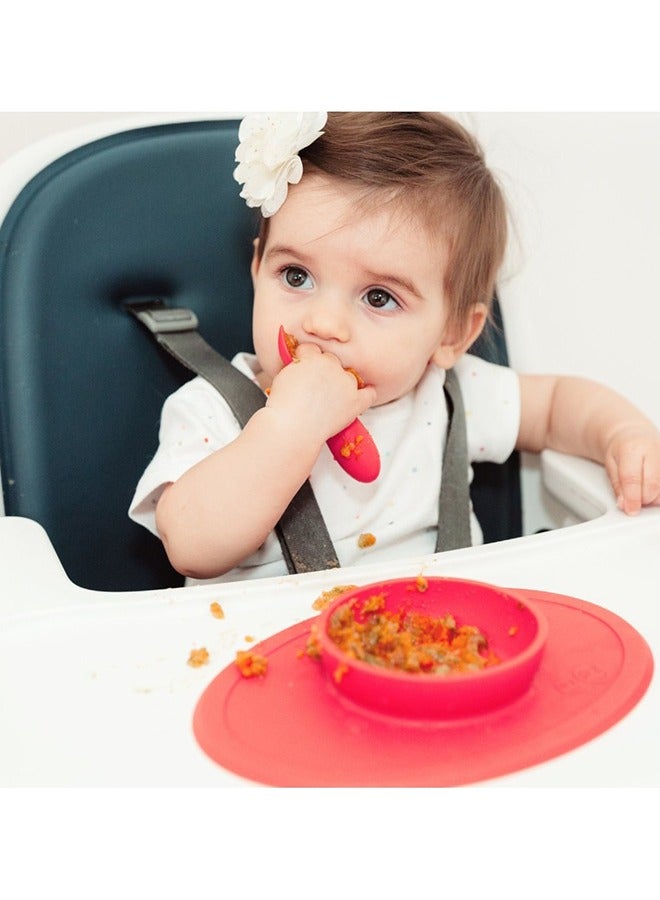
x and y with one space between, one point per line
399 508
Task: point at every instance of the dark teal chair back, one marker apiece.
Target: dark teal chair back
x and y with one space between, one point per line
148 212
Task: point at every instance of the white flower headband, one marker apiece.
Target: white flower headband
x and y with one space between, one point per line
267 155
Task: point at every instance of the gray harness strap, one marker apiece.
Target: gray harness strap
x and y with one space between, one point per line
302 532
454 505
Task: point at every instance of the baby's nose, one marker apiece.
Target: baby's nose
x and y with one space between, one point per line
326 320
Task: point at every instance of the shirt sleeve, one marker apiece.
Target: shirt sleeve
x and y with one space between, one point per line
195 421
491 397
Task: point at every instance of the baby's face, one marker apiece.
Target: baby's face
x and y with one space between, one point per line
368 288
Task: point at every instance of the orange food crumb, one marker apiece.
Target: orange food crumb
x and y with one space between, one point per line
198 657
217 610
366 540
327 597
339 673
251 664
313 646
411 641
421 584
513 630
248 638
352 447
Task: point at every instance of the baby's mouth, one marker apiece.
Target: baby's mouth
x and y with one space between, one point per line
287 344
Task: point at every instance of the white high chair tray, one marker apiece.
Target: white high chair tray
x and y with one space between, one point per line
95 689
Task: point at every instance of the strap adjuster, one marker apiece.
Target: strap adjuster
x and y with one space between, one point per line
161 319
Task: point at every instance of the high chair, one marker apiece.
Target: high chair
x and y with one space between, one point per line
88 223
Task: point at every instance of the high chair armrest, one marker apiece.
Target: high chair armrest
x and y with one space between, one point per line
579 484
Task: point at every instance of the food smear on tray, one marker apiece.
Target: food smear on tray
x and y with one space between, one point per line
407 640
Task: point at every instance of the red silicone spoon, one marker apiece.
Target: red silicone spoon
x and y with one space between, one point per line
353 447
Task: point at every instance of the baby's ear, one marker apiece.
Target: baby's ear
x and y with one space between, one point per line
256 259
454 345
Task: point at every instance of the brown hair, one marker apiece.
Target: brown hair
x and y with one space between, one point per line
429 166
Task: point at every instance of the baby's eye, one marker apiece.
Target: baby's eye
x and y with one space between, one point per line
379 298
296 277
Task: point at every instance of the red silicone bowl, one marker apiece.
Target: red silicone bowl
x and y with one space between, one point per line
515 629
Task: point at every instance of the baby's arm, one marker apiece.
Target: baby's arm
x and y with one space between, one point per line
584 418
222 509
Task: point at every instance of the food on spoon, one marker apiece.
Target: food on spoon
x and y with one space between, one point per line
352 446
290 343
360 381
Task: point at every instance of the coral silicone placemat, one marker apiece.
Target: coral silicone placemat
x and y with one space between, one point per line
290 728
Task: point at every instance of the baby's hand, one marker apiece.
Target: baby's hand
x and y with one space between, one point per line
316 393
632 461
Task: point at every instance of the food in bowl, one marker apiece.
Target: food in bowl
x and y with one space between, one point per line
408 640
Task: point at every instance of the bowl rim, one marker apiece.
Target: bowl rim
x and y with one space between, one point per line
489 673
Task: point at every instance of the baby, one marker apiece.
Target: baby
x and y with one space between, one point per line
380 243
